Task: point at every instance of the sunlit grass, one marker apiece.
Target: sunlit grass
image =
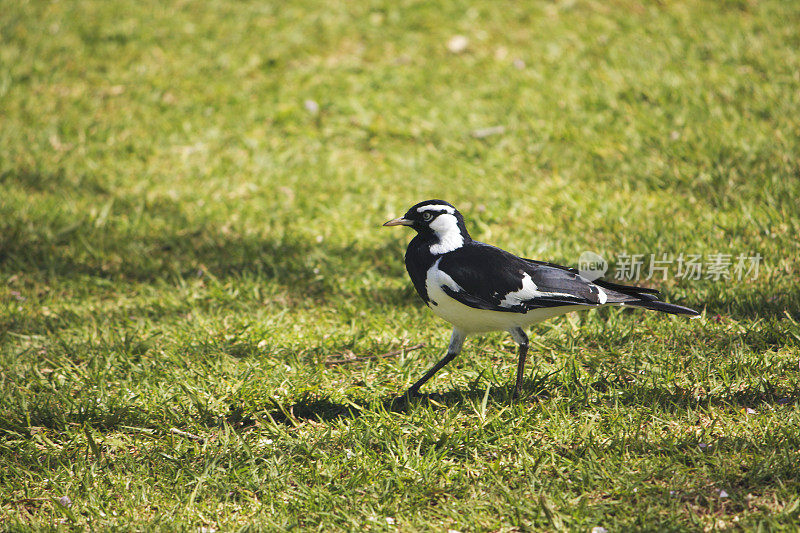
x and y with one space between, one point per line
190 205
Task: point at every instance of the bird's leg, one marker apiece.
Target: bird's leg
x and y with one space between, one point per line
520 338
453 349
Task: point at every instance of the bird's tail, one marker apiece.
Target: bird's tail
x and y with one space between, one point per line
632 296
664 307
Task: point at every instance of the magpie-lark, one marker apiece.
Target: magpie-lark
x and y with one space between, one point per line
479 288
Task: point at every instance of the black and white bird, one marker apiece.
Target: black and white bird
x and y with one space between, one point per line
479 288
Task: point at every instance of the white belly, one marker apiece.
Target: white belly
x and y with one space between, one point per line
471 320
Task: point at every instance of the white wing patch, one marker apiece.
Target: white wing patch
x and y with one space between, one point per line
601 295
528 291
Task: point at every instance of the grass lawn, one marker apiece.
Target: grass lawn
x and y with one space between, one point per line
191 196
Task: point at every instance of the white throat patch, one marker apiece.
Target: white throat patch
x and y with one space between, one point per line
445 227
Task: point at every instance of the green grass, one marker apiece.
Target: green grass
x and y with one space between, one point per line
183 244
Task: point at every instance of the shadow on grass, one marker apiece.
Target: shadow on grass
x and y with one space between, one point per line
538 389
182 252
130 238
323 409
51 412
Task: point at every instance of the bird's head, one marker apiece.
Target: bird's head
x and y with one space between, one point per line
437 221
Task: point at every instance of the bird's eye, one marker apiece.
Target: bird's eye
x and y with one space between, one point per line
426 216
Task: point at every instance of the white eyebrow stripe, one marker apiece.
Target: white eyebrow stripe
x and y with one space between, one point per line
436 207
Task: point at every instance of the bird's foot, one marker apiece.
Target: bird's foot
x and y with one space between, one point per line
414 393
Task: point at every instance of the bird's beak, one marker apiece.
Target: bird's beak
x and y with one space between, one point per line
399 222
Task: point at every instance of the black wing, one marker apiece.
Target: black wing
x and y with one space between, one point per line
487 276
624 289
630 295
